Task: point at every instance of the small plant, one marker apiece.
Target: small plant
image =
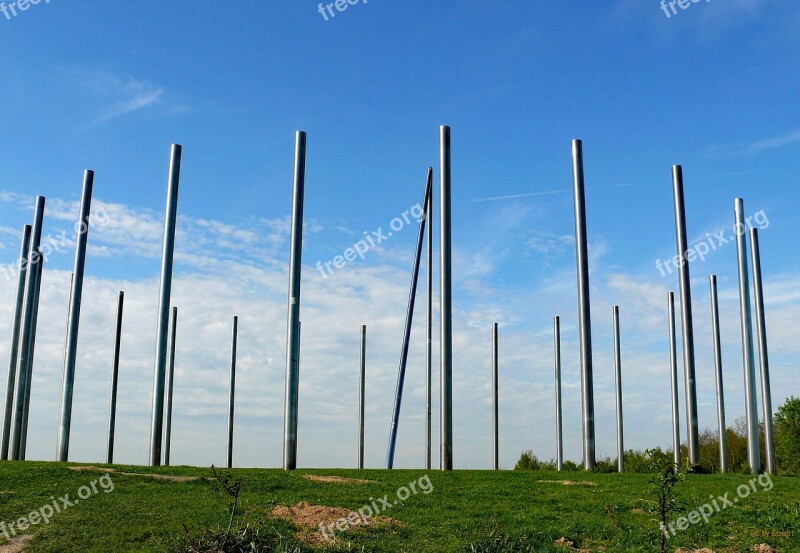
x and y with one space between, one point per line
232 488
662 487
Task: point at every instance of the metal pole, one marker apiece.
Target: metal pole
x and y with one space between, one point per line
157 417
429 332
748 362
292 331
115 380
686 317
723 436
401 373
618 383
23 440
557 369
673 369
362 385
76 293
495 408
14 346
584 309
232 390
34 261
171 372
761 329
445 305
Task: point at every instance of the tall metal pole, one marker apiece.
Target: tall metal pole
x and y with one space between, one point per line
584 309
401 373
429 333
171 373
557 370
618 383
761 329
748 362
495 406
722 429
361 391
76 294
23 439
32 275
112 423
14 346
445 305
673 370
232 389
686 317
292 330
157 417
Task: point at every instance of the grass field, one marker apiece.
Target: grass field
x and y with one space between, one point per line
462 511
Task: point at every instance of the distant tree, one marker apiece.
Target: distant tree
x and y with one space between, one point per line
787 436
528 461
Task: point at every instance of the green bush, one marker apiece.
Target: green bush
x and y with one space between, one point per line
787 436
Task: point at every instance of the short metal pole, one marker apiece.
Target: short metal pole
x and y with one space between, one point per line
748 362
618 383
361 392
584 309
232 389
557 370
112 424
495 406
412 295
32 274
429 332
686 317
171 373
157 417
722 429
14 346
673 369
71 350
292 327
761 329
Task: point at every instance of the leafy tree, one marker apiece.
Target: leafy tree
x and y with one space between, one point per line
787 436
662 487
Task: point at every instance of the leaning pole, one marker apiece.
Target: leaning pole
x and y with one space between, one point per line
761 329
23 438
157 417
170 384
32 276
76 294
686 317
14 346
673 371
412 295
723 434
557 370
445 305
584 309
232 389
112 420
618 385
292 385
748 362
429 332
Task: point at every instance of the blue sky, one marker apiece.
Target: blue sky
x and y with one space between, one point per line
109 85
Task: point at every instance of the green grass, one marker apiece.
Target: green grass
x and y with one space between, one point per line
466 510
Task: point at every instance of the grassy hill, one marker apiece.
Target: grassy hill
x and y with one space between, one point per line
458 511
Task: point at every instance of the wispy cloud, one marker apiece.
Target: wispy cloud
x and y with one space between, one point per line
515 196
772 143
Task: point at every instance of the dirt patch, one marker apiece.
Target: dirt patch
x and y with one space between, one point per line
569 482
168 477
764 548
569 545
15 545
336 479
638 511
309 517
704 550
